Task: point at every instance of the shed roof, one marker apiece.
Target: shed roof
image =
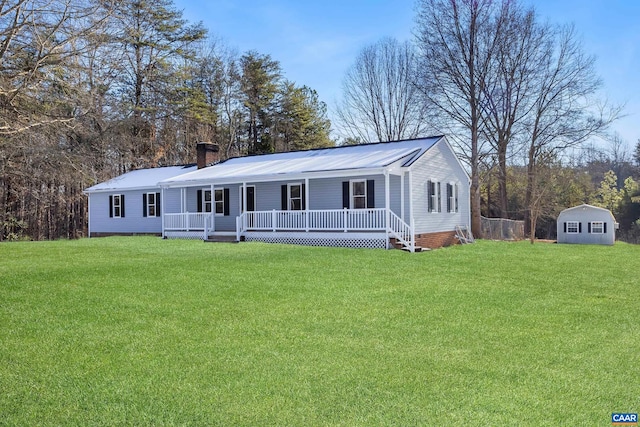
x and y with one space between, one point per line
140 179
327 160
585 206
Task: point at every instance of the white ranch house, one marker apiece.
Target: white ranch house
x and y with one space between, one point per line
409 193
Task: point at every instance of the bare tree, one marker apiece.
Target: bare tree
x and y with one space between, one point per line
565 111
38 39
380 101
508 88
458 41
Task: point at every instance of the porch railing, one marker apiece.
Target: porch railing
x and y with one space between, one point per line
315 220
186 221
345 220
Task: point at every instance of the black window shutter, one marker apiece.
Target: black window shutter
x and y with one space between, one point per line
122 205
226 201
144 204
579 227
371 194
439 197
565 227
588 227
157 204
199 198
449 197
283 197
251 199
304 197
110 206
345 194
429 193
604 225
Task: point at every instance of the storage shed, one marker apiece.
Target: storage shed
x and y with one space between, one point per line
586 224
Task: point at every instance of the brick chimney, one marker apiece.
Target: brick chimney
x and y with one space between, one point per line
207 154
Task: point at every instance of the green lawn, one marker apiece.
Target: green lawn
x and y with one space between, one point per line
141 331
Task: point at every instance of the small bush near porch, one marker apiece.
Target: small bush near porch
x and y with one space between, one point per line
140 331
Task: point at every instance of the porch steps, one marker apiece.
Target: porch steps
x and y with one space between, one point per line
416 249
221 239
398 245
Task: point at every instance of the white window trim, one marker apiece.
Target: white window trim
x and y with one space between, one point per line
150 205
352 196
451 203
205 202
290 199
577 227
116 205
601 224
433 199
455 197
215 202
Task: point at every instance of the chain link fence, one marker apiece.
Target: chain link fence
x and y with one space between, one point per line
502 229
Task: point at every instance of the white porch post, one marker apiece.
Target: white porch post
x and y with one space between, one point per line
306 205
213 210
162 209
245 198
183 200
402 196
387 198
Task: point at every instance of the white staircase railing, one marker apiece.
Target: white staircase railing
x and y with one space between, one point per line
401 231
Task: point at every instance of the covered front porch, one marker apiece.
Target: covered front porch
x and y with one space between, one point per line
327 227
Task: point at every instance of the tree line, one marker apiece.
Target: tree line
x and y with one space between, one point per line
90 89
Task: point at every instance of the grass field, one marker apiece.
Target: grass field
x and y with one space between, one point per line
141 331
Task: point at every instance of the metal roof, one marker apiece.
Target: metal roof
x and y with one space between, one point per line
140 179
353 158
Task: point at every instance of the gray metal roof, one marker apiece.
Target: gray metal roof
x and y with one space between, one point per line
366 157
140 179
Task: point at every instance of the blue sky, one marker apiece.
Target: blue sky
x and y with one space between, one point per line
316 41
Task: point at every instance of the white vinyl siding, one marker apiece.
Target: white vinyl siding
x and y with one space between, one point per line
438 165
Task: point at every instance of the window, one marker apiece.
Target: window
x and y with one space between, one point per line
116 206
358 194
206 201
219 200
455 197
597 227
151 204
217 203
452 197
295 197
573 227
433 197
